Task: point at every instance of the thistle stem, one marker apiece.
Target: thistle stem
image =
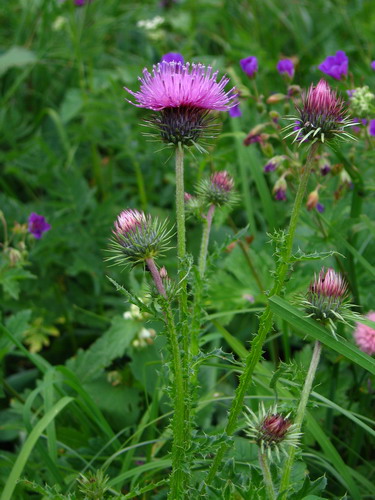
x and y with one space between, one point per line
205 239
284 485
266 320
266 475
156 277
176 491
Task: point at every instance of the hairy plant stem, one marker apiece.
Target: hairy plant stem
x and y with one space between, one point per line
266 475
177 482
266 320
284 484
205 239
183 308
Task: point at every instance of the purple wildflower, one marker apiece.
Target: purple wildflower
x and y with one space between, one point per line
172 85
335 66
235 112
173 57
320 207
371 128
351 93
38 225
325 170
273 163
184 94
80 3
279 189
285 67
373 65
249 65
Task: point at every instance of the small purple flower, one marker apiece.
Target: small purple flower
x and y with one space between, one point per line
335 66
173 57
325 170
285 67
235 112
280 194
249 65
320 207
350 93
373 65
270 166
37 225
371 128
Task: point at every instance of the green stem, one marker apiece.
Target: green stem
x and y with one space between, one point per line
205 239
266 320
176 491
284 485
266 476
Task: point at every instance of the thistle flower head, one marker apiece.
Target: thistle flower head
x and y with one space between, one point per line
183 94
137 237
218 190
321 117
365 335
173 56
271 431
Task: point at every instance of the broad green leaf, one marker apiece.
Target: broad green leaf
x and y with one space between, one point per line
16 57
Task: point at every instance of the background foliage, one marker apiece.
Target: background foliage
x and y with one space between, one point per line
75 371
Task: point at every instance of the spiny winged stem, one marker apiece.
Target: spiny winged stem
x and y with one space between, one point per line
266 320
284 485
266 475
177 483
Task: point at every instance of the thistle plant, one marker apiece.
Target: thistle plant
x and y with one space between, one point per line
183 97
273 433
329 119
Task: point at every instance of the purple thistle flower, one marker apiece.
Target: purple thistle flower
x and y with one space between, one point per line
37 225
373 65
322 116
320 208
173 57
335 66
371 128
285 67
249 65
184 94
235 111
218 189
172 85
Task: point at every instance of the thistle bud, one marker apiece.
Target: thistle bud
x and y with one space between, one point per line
326 298
271 431
323 116
137 237
218 190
